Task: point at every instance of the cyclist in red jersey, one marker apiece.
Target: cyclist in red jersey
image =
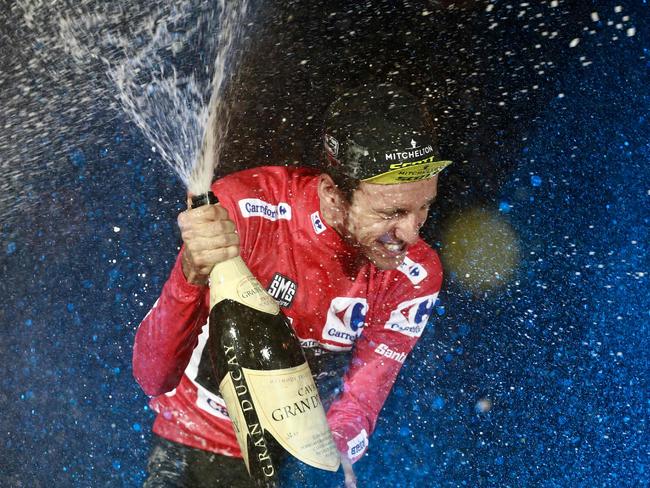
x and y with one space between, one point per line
340 251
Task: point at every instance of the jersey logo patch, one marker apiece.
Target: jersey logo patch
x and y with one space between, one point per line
317 223
411 316
254 207
283 289
387 352
345 320
413 271
309 343
357 445
332 145
211 403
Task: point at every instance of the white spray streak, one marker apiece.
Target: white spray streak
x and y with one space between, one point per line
137 49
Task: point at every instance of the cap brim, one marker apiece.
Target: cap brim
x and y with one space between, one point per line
408 174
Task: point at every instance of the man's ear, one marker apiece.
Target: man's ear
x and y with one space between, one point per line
328 192
331 199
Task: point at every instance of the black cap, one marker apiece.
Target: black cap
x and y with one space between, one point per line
378 134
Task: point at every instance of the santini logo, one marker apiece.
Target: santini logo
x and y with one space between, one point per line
253 207
282 289
387 352
357 445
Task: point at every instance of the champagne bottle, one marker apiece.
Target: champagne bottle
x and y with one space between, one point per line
263 376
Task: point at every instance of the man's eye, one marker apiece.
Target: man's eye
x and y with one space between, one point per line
397 214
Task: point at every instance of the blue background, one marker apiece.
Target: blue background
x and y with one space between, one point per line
560 351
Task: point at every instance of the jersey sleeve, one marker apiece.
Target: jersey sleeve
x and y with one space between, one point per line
397 316
169 333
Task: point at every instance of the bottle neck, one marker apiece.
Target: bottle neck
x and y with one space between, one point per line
233 280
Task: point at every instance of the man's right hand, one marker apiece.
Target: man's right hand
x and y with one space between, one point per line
348 471
210 237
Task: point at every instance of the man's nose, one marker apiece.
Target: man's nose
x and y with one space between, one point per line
408 228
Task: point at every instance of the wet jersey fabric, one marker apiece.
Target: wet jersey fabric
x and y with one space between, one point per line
356 323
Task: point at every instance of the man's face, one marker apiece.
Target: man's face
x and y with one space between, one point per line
383 220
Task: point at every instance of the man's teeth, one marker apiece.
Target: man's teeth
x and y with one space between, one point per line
393 247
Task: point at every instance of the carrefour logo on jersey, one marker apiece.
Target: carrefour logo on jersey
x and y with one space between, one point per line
317 223
413 271
211 403
254 207
410 317
345 320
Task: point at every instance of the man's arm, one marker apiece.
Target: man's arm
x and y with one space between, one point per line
389 335
169 333
353 415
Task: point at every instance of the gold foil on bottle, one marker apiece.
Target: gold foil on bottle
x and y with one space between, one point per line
233 280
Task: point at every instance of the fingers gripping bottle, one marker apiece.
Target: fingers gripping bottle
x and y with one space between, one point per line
263 376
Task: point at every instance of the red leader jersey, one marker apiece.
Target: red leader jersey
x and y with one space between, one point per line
356 323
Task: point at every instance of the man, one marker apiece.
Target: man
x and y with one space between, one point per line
341 253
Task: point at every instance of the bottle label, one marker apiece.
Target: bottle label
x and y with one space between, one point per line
233 280
232 391
288 406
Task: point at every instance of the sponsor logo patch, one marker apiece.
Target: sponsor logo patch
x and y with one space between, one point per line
309 343
254 207
413 152
345 320
412 316
317 223
357 445
315 348
384 350
283 289
211 403
415 272
332 145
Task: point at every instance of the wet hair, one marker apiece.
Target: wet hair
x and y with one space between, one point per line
344 183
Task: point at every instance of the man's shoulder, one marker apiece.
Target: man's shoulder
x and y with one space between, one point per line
404 298
263 179
268 194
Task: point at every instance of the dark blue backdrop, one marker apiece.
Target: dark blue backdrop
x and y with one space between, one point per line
560 352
